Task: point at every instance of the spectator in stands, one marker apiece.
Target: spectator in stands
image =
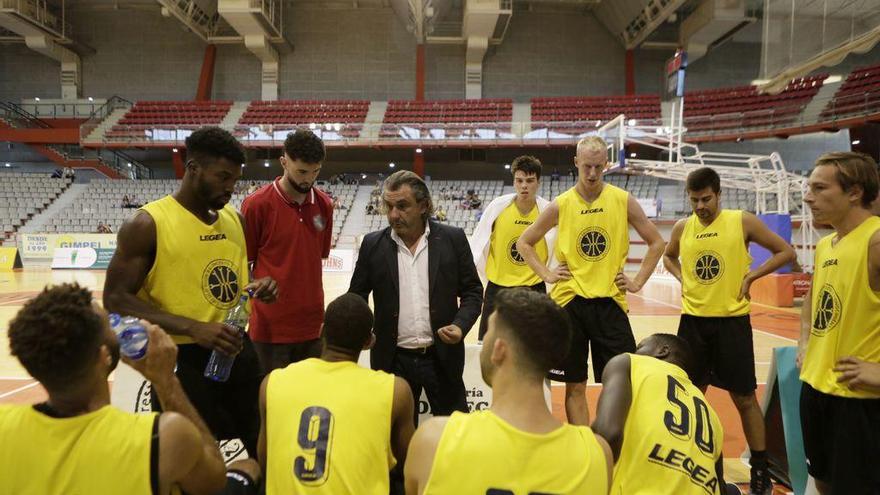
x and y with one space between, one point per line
472 201
126 202
440 214
289 228
69 173
103 228
63 338
554 177
57 173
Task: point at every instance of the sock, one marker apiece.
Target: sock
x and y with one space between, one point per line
759 459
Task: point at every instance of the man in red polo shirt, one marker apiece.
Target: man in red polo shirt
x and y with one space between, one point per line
288 226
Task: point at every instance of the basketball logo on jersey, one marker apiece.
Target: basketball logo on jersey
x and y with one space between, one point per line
319 223
220 284
709 267
827 312
513 255
593 244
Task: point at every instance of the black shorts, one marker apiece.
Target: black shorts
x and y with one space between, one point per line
724 355
231 408
239 483
598 323
489 302
275 356
842 441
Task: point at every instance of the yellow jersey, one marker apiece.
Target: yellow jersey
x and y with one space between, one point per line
104 451
200 269
714 262
329 429
672 438
845 311
479 453
593 240
505 266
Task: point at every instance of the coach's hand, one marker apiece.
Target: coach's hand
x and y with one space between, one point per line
626 284
559 273
265 289
858 374
158 363
217 336
450 334
745 288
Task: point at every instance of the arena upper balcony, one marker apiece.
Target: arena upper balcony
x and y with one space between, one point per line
806 105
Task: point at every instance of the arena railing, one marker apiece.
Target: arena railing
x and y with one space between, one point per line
98 116
781 120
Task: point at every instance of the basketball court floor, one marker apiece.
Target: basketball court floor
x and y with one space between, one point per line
655 309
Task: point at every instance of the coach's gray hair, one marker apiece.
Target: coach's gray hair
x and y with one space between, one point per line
420 190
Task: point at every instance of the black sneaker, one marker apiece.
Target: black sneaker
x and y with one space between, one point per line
761 483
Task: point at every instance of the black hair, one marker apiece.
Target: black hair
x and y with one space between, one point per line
348 323
304 145
56 335
527 164
540 328
702 178
213 143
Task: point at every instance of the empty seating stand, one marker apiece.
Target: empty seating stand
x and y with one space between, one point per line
148 116
287 115
583 113
24 195
723 109
446 119
859 94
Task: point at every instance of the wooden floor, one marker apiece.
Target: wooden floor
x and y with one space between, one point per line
655 309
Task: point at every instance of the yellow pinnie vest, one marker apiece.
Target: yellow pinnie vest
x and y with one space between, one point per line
593 240
200 269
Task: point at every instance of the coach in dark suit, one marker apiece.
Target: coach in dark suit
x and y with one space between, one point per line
417 271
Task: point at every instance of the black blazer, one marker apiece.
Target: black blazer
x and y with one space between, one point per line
452 275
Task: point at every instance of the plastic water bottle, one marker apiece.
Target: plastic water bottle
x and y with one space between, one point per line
220 364
131 334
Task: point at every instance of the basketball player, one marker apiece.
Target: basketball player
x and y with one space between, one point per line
76 442
840 327
665 436
708 253
181 262
592 246
329 425
516 446
494 241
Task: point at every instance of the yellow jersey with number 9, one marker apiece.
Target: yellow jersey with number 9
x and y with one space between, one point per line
329 429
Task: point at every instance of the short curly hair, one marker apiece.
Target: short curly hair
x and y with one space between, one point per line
541 329
212 143
56 335
304 145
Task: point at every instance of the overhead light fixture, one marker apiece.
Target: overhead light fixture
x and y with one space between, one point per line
174 150
129 164
856 141
418 150
506 166
632 155
8 165
91 99
266 164
391 165
37 98
363 176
